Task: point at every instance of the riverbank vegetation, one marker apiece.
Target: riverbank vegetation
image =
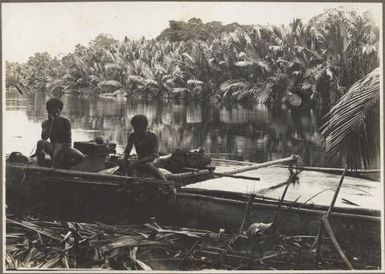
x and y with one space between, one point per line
313 63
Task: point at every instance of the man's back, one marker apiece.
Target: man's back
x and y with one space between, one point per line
146 146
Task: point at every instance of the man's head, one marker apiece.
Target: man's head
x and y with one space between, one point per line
54 107
139 123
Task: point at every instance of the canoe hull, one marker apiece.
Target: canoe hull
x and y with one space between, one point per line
59 194
114 201
218 212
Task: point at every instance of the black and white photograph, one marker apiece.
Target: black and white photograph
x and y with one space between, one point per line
189 136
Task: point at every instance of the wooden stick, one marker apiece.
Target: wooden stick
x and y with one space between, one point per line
74 173
184 175
260 165
292 176
329 230
237 176
245 216
317 241
181 265
338 170
63 173
336 194
227 175
242 163
264 190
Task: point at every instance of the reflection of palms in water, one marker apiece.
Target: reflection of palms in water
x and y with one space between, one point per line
255 133
181 132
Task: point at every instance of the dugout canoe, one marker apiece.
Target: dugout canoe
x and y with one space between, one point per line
203 199
221 209
221 202
88 196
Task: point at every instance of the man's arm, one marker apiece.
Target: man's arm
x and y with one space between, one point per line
67 131
130 143
145 160
46 128
154 151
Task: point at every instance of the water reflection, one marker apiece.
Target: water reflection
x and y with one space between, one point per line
254 133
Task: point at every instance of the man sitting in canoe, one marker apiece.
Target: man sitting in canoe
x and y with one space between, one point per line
58 130
146 146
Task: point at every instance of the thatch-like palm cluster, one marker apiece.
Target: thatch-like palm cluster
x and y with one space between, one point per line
352 126
314 62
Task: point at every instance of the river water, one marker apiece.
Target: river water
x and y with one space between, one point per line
255 133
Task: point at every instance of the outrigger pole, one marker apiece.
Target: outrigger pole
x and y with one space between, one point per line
260 165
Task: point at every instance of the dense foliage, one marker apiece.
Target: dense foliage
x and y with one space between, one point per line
352 128
312 62
266 64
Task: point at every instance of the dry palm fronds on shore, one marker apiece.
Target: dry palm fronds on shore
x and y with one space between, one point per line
32 243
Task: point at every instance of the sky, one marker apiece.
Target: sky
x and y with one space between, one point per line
56 28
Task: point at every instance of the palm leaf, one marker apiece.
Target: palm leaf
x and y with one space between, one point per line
136 79
349 129
233 89
94 78
231 85
189 58
147 72
245 64
111 66
54 86
194 82
110 83
264 92
179 91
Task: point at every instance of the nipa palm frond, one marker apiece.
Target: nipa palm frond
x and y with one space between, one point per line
190 59
346 132
262 93
110 83
136 79
111 66
55 86
147 71
232 88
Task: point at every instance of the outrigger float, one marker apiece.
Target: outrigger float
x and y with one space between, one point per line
213 198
